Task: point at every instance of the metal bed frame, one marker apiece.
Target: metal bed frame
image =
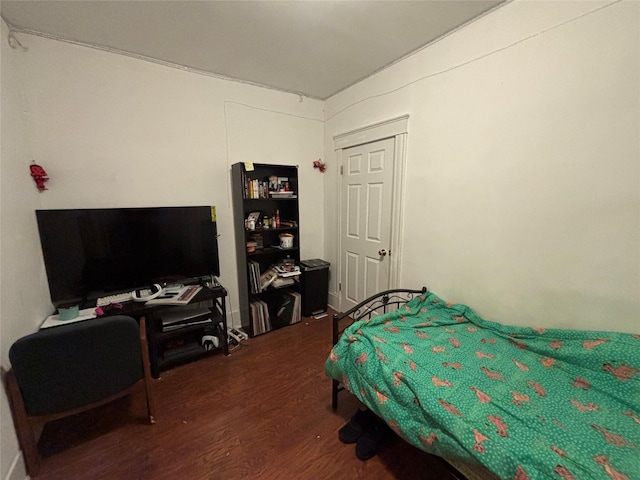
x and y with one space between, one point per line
378 304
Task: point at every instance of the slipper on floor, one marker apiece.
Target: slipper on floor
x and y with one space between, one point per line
353 430
372 439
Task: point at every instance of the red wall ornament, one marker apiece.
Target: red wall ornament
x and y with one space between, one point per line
320 165
39 176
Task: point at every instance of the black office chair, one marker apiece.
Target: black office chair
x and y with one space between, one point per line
61 371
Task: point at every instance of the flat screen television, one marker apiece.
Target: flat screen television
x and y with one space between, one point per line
90 252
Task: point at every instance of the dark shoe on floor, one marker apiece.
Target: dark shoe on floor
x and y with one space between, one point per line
372 439
353 430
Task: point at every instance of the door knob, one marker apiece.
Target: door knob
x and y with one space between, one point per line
382 252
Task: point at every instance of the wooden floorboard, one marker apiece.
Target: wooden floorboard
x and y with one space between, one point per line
262 412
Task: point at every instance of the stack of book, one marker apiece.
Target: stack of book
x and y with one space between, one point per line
281 282
254 188
276 276
289 308
260 317
254 277
288 312
287 275
286 270
268 277
283 194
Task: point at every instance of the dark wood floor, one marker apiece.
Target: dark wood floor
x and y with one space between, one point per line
262 412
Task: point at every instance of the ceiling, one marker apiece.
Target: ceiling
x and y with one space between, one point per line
312 48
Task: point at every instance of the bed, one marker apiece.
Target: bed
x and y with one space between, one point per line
526 403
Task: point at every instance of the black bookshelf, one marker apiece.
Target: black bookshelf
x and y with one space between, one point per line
253 191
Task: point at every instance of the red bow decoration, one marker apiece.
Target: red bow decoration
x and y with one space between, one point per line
319 164
39 176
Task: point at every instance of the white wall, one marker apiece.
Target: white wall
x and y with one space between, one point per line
113 131
116 131
251 136
523 172
18 242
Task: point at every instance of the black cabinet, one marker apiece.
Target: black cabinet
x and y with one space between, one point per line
266 226
315 287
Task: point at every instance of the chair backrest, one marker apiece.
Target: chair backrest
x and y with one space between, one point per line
71 366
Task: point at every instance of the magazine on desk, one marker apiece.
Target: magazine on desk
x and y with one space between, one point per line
176 297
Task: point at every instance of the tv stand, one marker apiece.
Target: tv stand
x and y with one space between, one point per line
170 347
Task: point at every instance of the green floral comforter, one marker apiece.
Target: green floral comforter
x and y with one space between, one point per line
526 403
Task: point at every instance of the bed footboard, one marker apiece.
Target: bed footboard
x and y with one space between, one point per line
378 304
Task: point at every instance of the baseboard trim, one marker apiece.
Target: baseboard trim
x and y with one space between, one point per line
334 300
233 318
17 470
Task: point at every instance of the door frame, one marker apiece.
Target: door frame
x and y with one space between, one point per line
396 128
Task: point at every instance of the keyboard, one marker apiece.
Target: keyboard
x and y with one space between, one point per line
121 297
116 298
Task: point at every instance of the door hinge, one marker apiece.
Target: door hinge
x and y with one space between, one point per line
341 172
339 287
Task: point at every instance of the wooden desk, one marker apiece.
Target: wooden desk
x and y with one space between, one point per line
186 340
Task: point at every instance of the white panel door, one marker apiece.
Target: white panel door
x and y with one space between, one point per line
367 184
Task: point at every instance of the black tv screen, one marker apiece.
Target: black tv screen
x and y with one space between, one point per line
89 252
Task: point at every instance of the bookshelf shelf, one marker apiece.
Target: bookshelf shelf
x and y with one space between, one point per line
267 230
271 199
180 354
271 250
182 331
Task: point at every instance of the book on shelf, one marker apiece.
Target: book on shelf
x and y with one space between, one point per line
283 194
280 282
276 276
254 188
260 320
267 278
254 276
289 307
